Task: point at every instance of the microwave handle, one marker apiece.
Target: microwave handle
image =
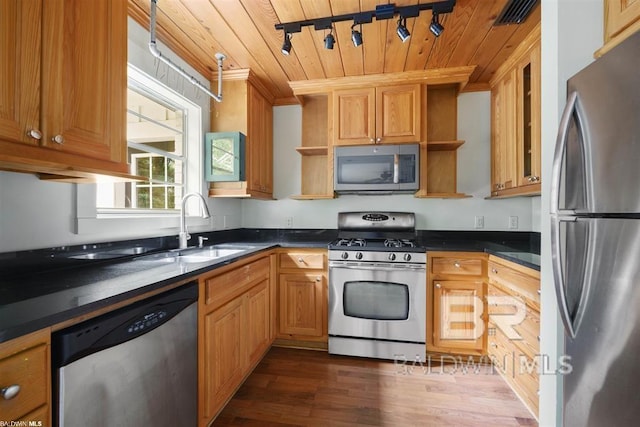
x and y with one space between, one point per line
396 173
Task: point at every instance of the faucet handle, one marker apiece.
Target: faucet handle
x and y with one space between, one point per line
201 241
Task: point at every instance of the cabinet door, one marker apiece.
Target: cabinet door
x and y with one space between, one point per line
354 116
84 90
302 304
619 14
528 125
20 48
225 355
504 133
259 145
398 112
458 314
258 322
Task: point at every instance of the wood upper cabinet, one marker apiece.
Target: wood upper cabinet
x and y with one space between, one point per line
246 108
26 362
456 303
64 95
620 15
528 118
503 143
302 295
260 144
21 41
515 124
384 114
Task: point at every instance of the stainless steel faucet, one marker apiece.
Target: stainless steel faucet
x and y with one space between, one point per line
184 236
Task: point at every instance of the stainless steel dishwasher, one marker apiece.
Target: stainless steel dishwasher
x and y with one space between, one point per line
135 366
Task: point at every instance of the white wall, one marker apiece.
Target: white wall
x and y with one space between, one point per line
474 176
571 32
36 214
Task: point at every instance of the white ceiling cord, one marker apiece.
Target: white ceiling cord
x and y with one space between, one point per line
153 48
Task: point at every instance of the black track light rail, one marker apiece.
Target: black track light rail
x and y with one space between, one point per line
384 11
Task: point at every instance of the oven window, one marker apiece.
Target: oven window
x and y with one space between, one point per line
376 300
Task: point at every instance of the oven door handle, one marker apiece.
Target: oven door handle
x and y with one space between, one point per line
378 267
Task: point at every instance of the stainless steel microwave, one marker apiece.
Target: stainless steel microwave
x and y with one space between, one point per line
376 168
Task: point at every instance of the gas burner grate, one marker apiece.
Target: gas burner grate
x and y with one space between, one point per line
351 242
399 243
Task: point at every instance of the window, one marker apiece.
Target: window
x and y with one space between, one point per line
159 137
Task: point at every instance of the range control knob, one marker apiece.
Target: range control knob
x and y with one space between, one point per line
407 257
359 255
392 257
344 255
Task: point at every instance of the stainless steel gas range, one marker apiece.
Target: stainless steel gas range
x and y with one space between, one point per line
377 287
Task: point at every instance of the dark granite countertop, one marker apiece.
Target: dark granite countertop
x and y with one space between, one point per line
44 287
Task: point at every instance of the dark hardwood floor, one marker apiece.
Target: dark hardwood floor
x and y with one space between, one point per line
312 388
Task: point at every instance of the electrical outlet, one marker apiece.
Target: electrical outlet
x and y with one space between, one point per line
513 222
288 222
479 221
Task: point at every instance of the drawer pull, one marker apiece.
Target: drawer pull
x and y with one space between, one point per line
494 271
10 392
456 264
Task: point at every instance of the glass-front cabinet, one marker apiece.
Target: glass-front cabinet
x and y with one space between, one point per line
528 128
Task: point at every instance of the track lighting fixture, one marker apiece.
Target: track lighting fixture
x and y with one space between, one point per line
329 40
356 36
436 28
286 45
402 31
382 12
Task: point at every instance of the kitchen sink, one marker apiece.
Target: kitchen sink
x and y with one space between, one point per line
195 255
112 253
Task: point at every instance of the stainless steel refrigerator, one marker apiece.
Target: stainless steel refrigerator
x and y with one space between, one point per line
595 226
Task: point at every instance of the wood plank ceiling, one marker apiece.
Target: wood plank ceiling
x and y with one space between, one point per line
244 31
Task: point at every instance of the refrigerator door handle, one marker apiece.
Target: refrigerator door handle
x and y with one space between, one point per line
561 294
561 144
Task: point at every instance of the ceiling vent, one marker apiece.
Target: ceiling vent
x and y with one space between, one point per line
515 12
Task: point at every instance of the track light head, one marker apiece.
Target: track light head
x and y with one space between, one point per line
329 41
436 28
402 31
356 36
286 45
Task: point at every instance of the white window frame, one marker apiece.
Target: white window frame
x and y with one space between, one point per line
89 219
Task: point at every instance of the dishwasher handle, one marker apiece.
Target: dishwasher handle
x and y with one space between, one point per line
119 326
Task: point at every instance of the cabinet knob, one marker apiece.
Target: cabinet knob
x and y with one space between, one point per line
494 345
318 278
34 133
539 291
456 264
58 139
301 260
373 141
494 271
10 392
438 285
378 140
536 178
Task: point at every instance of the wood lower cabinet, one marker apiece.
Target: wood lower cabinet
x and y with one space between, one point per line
235 309
25 362
302 297
63 98
456 307
514 327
